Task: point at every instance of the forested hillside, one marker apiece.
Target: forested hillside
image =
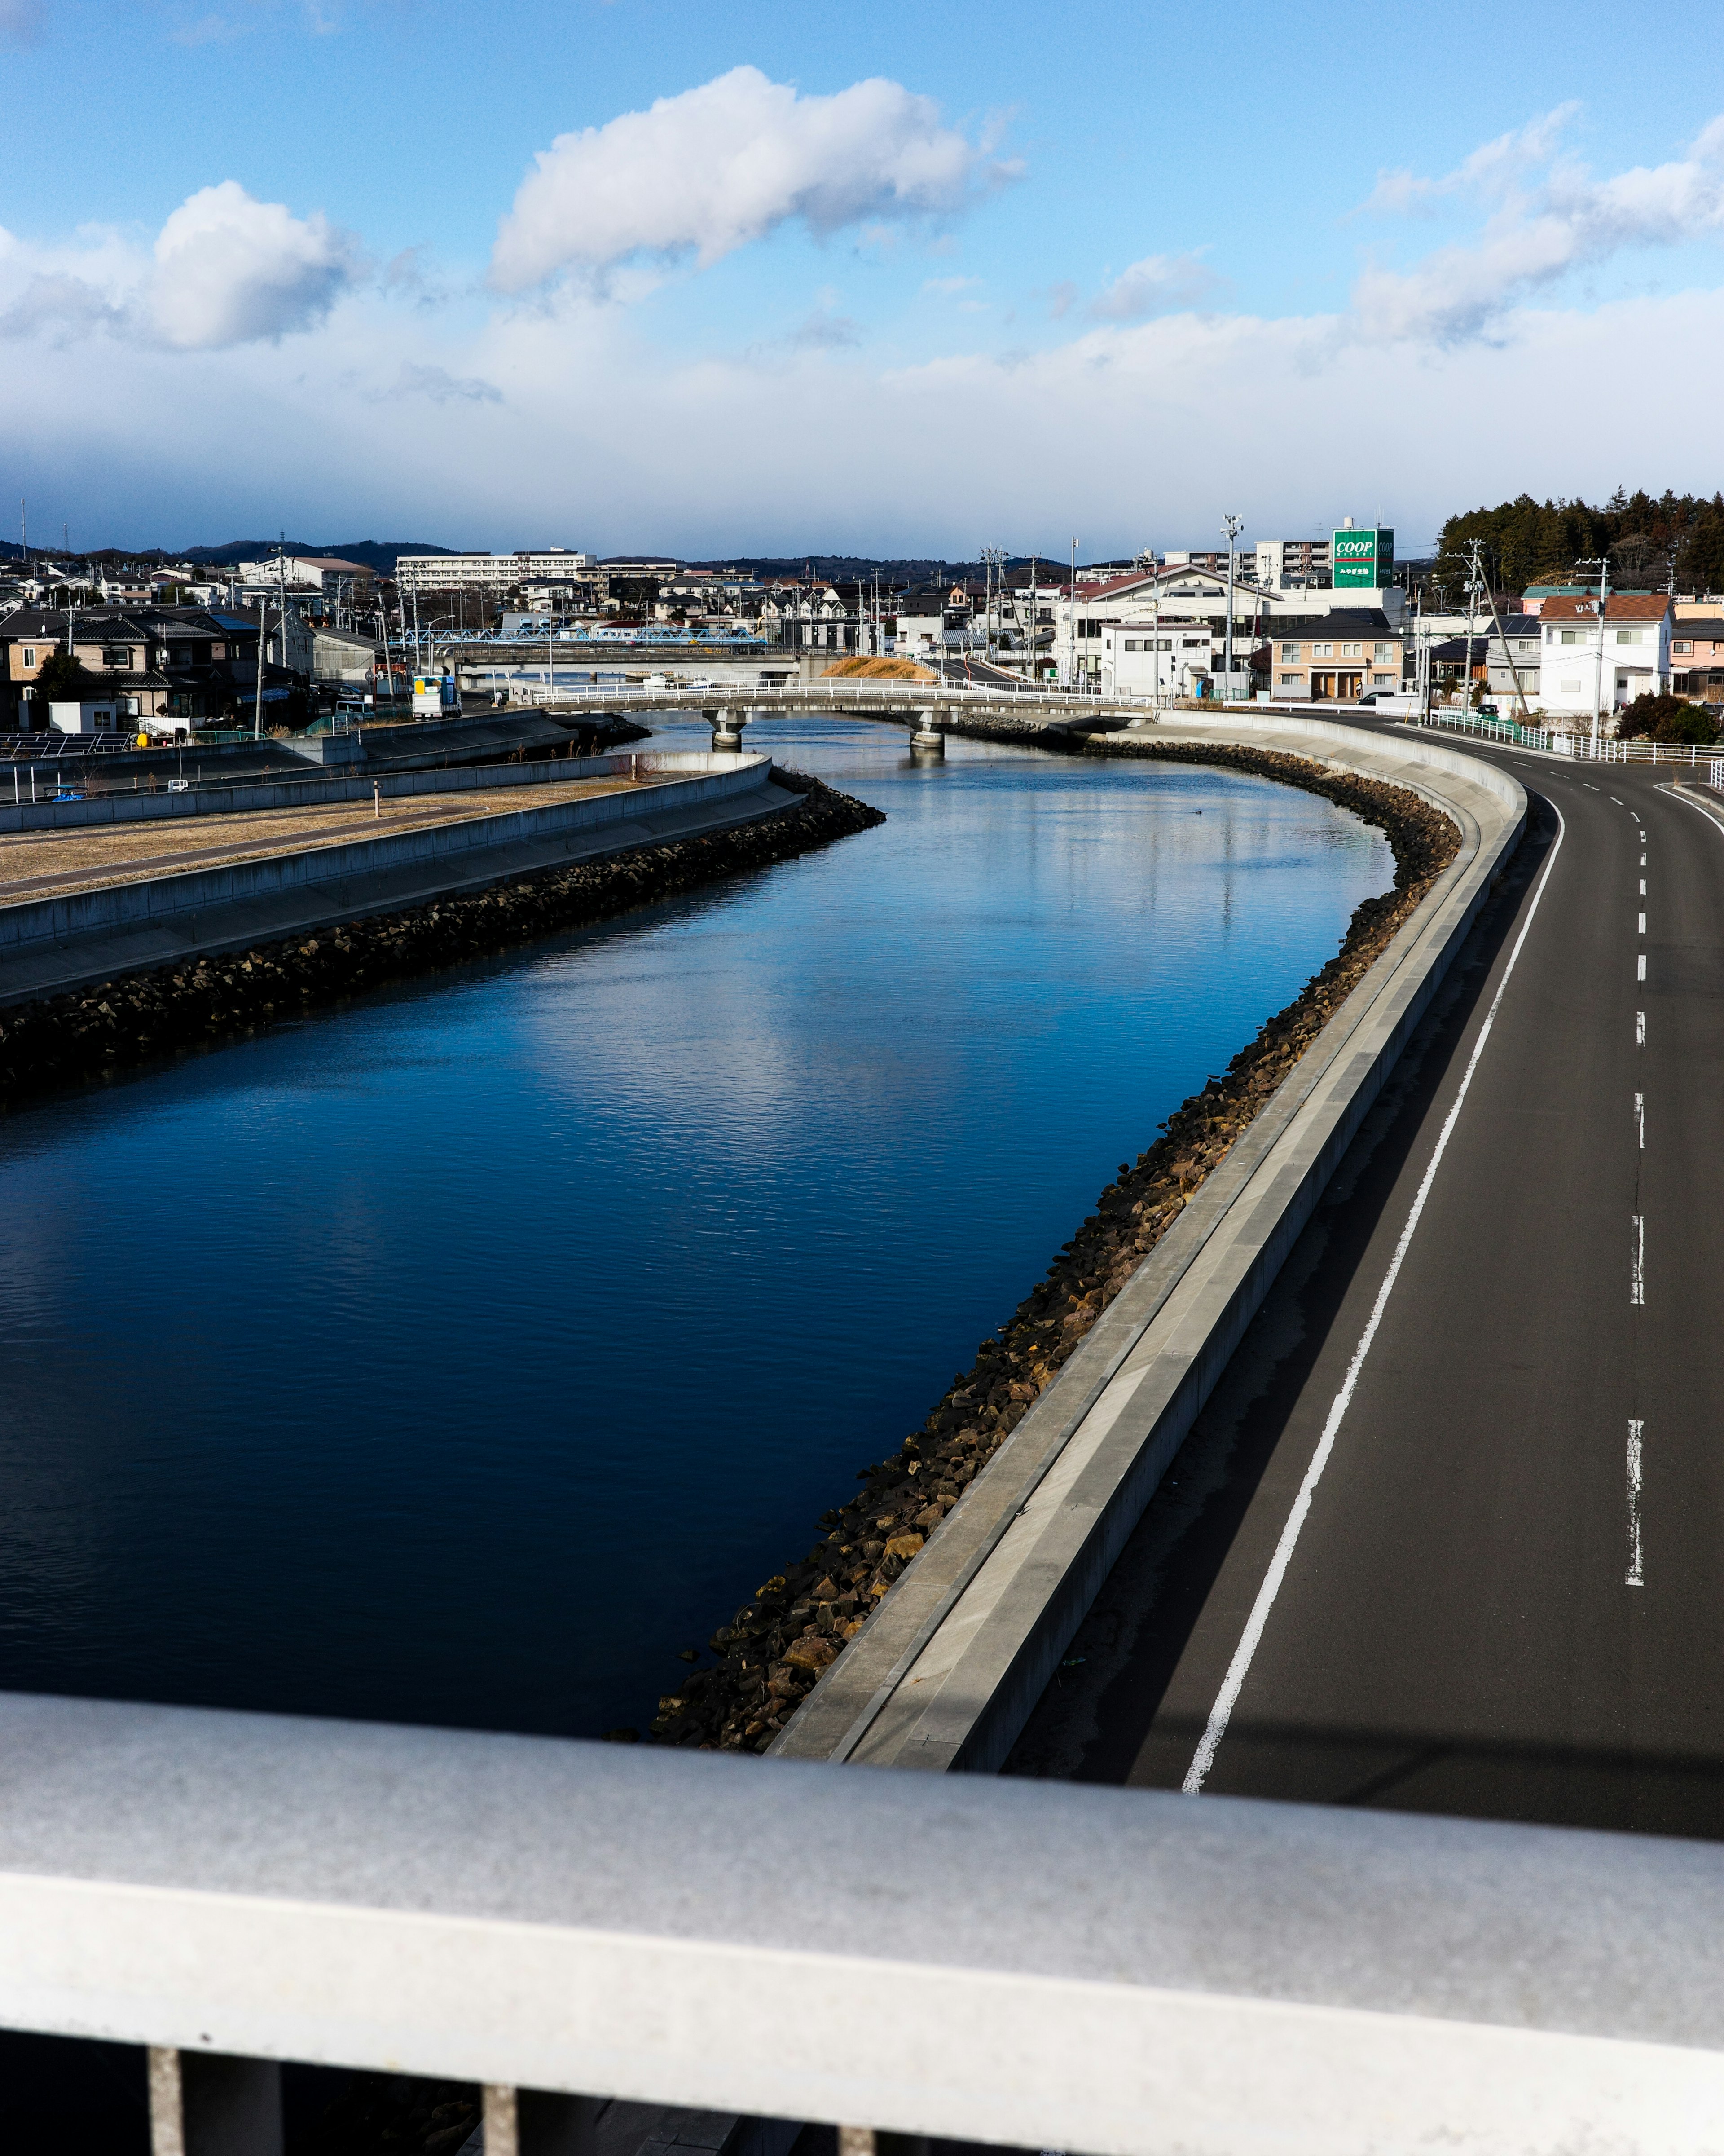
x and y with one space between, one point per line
1541 542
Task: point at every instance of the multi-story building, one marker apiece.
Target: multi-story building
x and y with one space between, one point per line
1335 660
341 583
1291 564
1592 662
490 574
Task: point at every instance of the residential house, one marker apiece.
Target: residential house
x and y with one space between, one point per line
1589 662
1697 658
162 669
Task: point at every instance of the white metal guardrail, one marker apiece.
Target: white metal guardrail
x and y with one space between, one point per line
1579 746
1030 1964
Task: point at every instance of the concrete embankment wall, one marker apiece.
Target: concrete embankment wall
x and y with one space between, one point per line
50 944
946 1672
97 810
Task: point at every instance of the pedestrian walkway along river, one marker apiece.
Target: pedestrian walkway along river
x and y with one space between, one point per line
462 1353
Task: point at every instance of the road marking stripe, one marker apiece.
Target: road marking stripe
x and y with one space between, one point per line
1637 1261
1221 1713
1619 803
1635 1576
1643 925
1639 1029
1640 970
1643 882
1640 1118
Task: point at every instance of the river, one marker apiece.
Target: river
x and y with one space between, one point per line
459 1355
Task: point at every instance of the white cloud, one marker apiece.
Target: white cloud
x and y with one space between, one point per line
225 270
1490 171
947 287
708 170
230 269
1538 233
1156 285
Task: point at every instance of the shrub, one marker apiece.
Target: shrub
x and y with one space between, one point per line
1666 719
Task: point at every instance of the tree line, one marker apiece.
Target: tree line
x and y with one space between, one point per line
1644 537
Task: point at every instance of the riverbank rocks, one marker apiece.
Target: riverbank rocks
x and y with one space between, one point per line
775 1649
98 1032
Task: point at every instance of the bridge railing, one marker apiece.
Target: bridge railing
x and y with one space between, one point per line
1029 1963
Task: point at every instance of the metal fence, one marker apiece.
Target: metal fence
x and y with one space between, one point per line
1580 746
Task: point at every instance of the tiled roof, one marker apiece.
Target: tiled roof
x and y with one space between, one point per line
1621 606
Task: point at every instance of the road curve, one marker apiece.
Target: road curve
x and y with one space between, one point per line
1449 1536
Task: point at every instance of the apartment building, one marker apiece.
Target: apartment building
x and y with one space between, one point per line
1291 564
1338 660
492 574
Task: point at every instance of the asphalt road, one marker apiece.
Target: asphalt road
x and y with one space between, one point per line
1450 1536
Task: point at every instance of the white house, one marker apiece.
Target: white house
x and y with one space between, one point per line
1586 662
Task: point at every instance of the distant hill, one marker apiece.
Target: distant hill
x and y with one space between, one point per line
379 554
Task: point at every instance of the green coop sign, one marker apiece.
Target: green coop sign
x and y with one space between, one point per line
1363 559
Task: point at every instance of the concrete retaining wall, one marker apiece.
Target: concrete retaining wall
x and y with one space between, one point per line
947 1671
292 793
157 899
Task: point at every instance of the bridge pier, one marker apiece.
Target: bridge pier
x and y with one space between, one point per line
927 737
726 726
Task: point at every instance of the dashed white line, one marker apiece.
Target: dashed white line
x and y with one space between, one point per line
1640 1118
1643 925
1221 1713
1642 886
1635 1575
1619 803
1639 1029
1637 1261
1640 970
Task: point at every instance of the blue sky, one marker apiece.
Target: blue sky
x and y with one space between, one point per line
900 279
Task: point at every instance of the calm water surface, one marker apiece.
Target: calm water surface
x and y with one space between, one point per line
460 1356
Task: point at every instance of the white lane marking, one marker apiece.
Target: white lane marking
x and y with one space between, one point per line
1640 970
1637 1261
1639 1029
1619 803
1635 1576
1643 864
1221 1713
1643 925
1589 786
1643 882
1640 1118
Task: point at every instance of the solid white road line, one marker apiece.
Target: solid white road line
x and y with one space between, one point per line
1640 1118
1637 1261
1635 1576
1221 1713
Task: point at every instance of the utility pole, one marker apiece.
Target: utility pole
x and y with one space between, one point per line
257 722
1233 526
1071 639
1472 608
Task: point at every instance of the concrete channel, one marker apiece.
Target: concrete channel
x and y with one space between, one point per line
945 1673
